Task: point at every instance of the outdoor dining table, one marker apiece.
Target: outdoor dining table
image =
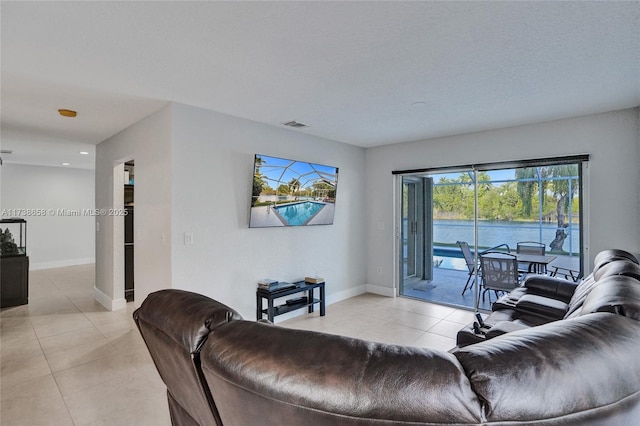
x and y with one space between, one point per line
538 262
569 266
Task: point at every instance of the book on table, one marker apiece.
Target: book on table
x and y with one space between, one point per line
267 283
279 286
313 280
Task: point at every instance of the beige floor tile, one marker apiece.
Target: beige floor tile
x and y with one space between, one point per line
70 339
19 351
87 304
16 329
393 333
141 361
50 306
116 327
435 341
437 311
446 328
51 325
96 313
129 341
14 312
22 370
35 403
123 401
79 354
43 289
387 313
84 376
414 320
462 317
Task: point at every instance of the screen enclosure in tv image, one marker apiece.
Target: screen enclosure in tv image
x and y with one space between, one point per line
292 193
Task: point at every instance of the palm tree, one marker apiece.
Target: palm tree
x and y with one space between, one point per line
294 186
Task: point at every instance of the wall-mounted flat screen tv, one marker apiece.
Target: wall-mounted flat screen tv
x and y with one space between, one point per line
292 193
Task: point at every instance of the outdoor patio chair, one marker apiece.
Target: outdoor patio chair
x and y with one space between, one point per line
471 265
499 272
470 261
531 247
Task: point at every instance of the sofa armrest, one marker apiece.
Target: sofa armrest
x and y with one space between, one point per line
554 288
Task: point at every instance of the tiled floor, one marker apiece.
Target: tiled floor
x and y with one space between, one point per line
65 360
398 320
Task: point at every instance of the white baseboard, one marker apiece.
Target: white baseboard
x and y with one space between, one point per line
107 302
346 294
381 290
60 263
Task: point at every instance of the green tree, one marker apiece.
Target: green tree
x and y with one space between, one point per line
283 189
526 188
563 191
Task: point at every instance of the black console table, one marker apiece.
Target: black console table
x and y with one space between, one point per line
285 289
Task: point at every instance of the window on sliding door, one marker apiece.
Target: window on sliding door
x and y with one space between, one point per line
416 231
420 250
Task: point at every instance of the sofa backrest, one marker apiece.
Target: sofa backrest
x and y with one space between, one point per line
617 294
580 371
265 374
608 263
174 325
609 255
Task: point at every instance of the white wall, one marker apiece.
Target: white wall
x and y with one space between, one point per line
611 139
56 239
212 158
148 142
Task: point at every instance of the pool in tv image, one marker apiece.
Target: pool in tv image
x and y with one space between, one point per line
292 193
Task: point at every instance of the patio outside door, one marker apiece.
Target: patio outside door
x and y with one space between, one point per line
416 231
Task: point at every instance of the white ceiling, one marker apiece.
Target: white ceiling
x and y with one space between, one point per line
350 70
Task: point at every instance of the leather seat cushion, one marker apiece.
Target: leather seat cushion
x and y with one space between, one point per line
504 327
551 308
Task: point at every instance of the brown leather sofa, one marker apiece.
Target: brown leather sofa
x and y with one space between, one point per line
220 369
543 299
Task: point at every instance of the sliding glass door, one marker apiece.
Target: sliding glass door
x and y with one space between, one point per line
485 207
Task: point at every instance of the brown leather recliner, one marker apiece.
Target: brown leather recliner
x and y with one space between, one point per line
175 325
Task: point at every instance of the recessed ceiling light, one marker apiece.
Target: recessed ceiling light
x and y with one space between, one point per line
66 164
67 113
84 153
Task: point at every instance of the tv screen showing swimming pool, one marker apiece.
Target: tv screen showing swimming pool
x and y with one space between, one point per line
292 193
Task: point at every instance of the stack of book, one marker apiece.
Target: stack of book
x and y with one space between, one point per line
267 284
313 280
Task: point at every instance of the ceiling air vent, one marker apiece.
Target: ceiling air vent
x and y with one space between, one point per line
295 124
6 151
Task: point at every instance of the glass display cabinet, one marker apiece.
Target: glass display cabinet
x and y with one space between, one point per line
13 237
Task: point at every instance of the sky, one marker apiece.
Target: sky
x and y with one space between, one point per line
279 171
